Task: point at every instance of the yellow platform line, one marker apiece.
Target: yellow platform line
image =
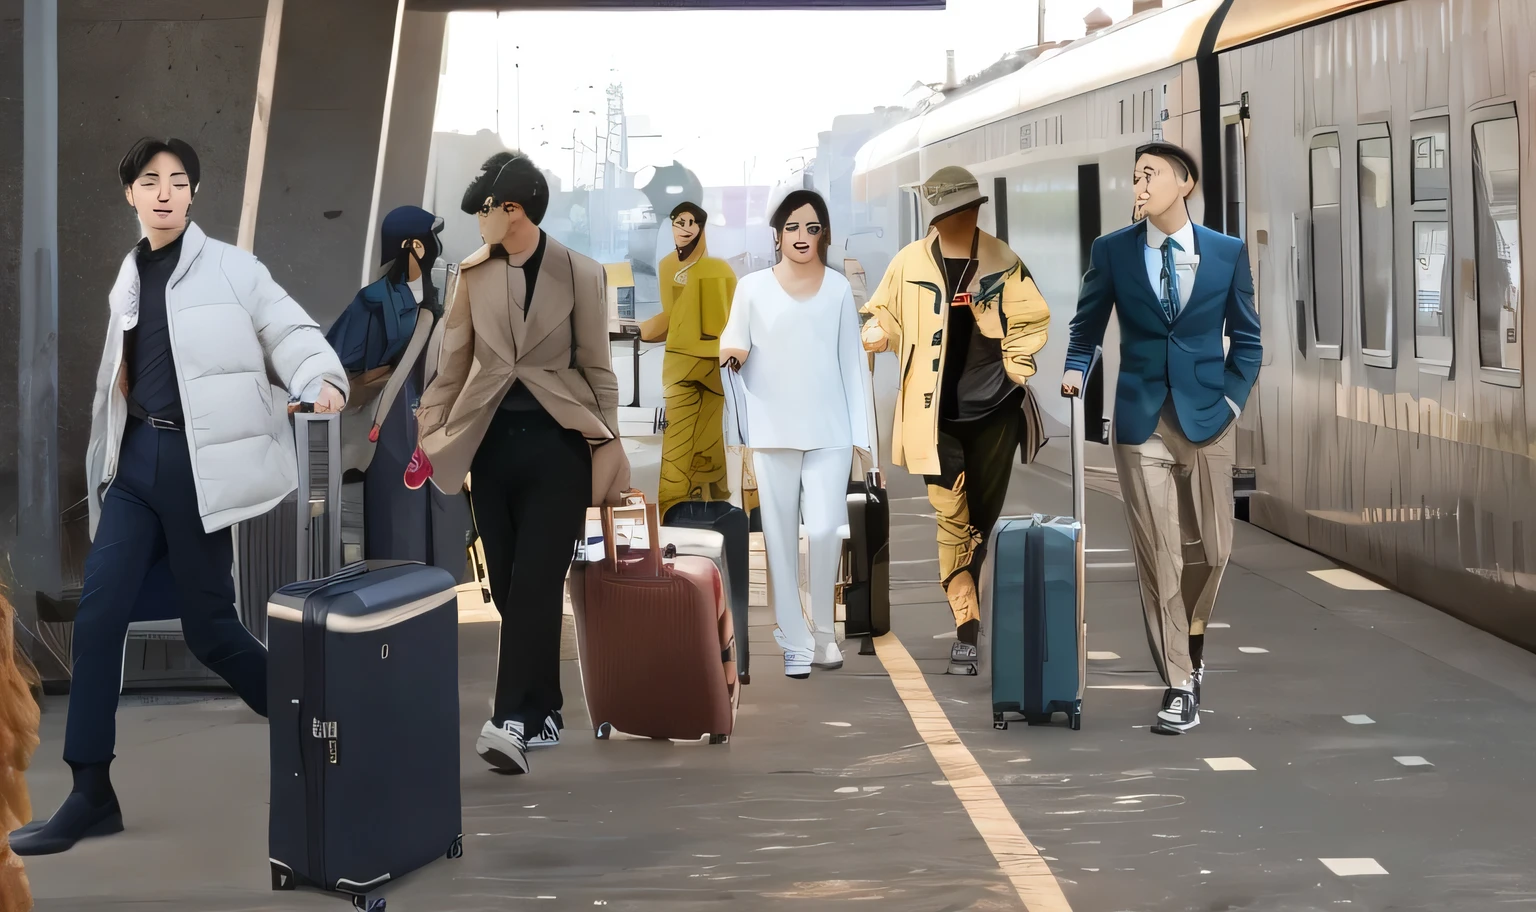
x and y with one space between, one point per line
1016 855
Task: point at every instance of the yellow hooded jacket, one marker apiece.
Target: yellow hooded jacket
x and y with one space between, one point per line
911 309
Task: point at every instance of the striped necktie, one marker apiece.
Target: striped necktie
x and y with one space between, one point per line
1170 279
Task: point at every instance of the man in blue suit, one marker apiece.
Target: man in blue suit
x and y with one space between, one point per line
1178 288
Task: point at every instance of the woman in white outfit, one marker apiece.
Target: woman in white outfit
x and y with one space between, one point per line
793 337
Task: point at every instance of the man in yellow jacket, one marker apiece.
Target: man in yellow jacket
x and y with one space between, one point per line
965 319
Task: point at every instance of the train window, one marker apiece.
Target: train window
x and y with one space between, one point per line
1327 245
1375 207
1432 291
1496 219
1431 159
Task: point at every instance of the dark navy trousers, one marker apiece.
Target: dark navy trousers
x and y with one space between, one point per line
150 515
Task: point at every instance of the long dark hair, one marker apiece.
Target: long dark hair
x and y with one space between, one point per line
794 201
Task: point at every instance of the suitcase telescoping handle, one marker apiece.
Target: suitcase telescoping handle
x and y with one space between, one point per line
634 501
876 479
1075 436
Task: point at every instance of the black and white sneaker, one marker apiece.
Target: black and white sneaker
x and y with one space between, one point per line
549 735
962 659
1180 712
504 746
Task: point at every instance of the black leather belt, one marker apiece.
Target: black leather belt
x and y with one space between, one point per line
159 424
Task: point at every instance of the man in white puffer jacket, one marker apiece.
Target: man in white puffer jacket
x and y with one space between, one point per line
189 435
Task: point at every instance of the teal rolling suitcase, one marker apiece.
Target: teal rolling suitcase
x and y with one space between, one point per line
1032 593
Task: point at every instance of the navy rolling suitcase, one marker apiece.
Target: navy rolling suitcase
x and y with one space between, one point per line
363 703
734 527
1032 601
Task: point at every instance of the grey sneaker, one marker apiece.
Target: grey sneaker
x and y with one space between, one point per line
962 659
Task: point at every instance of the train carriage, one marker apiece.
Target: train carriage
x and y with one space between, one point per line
1371 155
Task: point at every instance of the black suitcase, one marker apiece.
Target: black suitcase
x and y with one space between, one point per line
732 524
866 565
866 574
363 703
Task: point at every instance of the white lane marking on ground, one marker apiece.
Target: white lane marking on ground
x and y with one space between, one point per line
1219 625
1102 656
1359 720
839 724
1347 579
1125 687
1353 867
1106 550
946 635
1227 764
1112 566
1413 761
1019 859
1253 650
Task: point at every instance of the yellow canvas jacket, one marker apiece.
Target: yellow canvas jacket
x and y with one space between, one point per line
694 314
911 308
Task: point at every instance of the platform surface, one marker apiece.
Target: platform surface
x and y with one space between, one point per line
1358 750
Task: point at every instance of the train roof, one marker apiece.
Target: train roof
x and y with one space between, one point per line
1142 44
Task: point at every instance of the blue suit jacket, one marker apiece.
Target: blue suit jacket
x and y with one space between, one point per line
1182 358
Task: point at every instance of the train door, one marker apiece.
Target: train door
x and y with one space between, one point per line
1234 165
1234 222
911 214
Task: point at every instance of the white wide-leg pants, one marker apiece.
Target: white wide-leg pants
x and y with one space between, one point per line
811 485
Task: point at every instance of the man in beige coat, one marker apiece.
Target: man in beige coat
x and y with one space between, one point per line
524 389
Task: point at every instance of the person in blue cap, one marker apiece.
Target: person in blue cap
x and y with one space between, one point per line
381 338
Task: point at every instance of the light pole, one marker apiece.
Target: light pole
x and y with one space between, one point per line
1040 27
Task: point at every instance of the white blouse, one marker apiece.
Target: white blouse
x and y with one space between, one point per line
805 384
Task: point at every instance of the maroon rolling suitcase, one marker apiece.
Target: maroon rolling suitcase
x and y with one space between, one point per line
655 640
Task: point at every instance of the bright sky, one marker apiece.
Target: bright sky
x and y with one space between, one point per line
735 94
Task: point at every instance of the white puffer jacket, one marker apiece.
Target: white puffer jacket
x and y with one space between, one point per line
239 342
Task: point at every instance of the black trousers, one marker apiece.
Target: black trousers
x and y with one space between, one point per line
150 514
976 463
531 483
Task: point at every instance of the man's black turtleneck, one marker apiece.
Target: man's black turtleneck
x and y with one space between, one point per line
519 398
152 386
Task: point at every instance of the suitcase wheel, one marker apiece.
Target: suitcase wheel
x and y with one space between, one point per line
1077 721
999 723
719 739
603 731
1038 719
364 904
282 877
457 849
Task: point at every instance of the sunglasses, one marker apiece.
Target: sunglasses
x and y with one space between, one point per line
811 228
505 207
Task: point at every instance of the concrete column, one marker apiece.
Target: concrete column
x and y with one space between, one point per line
329 102
35 558
407 132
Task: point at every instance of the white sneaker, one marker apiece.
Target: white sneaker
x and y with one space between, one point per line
549 735
504 747
797 661
828 656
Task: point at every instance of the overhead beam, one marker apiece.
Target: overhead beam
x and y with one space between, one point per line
449 6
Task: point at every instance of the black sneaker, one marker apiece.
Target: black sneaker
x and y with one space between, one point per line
504 747
1180 712
1198 677
962 659
549 734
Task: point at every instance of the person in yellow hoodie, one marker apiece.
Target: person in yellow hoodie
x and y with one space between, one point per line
965 319
696 291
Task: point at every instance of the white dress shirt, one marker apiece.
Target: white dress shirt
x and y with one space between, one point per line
1185 262
804 378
